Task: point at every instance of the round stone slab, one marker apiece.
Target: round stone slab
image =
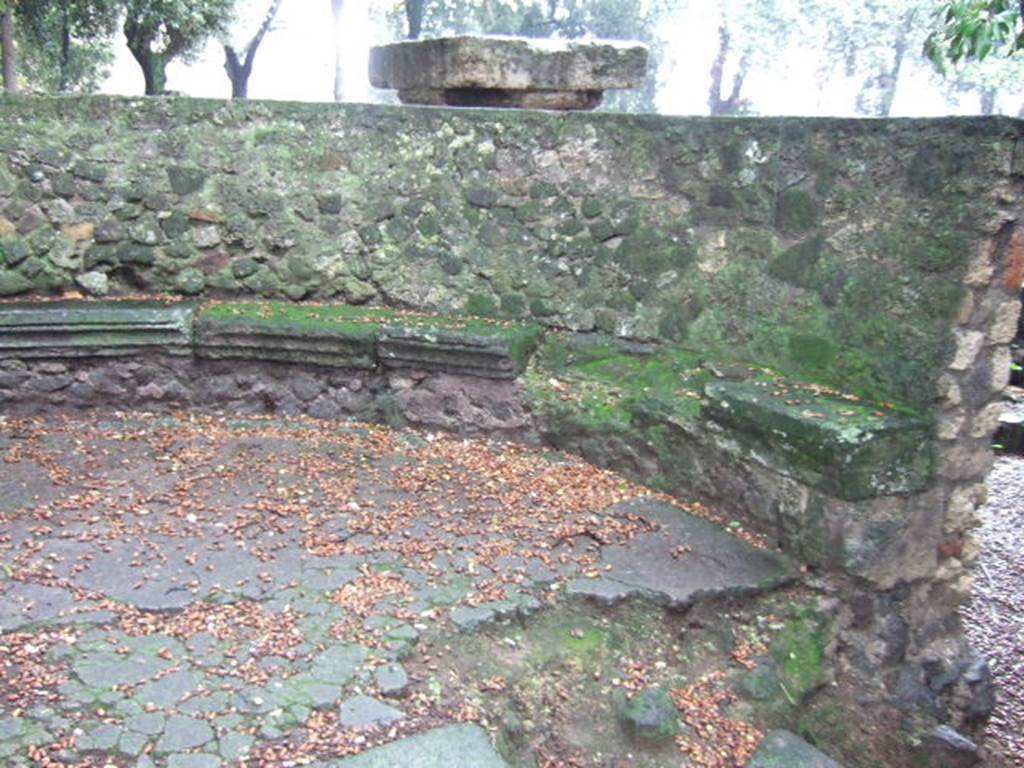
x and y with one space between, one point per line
496 71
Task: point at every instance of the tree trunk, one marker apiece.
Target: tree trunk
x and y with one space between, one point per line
65 51
240 69
9 54
154 70
238 73
414 17
731 104
889 95
988 101
339 78
878 92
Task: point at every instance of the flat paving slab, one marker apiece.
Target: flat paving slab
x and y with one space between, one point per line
683 560
453 746
783 749
196 589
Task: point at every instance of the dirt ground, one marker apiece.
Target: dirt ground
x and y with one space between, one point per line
199 591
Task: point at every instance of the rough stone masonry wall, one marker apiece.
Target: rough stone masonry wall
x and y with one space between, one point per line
879 257
833 250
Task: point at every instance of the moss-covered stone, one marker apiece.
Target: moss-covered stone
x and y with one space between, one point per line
796 265
244 267
799 651
796 211
650 715
482 305
190 281
13 283
185 180
14 250
832 442
335 335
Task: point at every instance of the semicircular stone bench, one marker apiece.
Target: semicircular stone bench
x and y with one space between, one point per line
817 469
849 487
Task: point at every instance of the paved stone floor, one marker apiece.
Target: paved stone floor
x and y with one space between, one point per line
202 591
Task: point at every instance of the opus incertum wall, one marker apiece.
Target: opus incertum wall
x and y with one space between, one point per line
806 321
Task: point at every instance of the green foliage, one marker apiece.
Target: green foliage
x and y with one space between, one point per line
161 30
974 29
65 46
177 28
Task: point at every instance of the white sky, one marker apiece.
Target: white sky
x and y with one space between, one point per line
296 62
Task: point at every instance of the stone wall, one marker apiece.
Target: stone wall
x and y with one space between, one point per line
882 259
834 250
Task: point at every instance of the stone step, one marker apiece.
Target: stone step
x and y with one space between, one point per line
838 445
686 559
450 746
85 328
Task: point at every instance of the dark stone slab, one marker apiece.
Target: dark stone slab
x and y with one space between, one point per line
447 747
947 748
24 603
94 328
475 348
502 98
782 749
685 560
840 446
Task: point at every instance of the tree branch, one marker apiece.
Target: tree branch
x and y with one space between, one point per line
268 20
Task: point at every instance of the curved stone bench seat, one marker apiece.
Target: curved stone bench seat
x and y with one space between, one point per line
353 337
337 336
828 475
818 469
325 336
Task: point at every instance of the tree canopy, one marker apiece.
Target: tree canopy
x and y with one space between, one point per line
974 29
67 45
159 31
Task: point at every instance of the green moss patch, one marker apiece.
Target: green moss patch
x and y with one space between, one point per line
799 652
603 384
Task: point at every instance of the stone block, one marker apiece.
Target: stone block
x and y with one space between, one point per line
507 71
492 350
335 336
782 749
843 448
94 328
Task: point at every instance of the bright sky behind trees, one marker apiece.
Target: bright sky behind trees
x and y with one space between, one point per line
798 75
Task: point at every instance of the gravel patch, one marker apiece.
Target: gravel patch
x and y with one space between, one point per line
995 616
